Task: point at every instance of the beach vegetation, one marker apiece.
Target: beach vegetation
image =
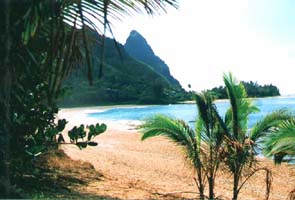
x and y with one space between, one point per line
203 145
280 143
253 89
279 146
42 41
182 134
242 142
221 140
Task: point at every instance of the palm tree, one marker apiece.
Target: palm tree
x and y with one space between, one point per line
239 150
202 145
182 134
226 140
43 41
280 144
241 143
212 137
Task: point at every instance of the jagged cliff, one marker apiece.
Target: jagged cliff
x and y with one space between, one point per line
125 79
137 47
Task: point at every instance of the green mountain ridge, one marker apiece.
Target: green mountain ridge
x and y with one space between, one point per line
125 80
137 47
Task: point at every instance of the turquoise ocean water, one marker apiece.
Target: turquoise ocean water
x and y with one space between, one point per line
188 112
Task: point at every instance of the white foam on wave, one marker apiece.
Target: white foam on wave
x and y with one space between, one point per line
77 116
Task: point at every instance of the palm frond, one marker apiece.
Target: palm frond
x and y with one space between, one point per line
175 130
202 104
238 114
281 142
156 7
209 123
270 122
96 14
199 129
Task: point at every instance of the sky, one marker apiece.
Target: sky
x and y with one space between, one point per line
203 39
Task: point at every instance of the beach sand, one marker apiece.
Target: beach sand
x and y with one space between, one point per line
156 168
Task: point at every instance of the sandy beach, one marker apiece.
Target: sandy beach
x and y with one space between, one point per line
155 168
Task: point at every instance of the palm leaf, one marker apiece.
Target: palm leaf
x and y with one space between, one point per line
270 122
281 142
175 130
203 109
238 114
210 124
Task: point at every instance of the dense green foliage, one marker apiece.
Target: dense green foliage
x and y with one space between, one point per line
124 80
280 143
41 42
253 90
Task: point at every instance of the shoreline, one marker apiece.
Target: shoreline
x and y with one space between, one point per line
135 169
105 107
79 115
153 169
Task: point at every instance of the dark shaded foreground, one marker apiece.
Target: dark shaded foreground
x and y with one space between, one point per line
58 176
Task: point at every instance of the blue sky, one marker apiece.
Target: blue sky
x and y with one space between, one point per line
254 39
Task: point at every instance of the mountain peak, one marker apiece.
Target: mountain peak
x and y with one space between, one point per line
137 47
136 41
134 33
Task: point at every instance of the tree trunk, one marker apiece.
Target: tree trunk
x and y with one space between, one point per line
211 187
5 92
202 190
6 140
201 186
236 184
211 172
